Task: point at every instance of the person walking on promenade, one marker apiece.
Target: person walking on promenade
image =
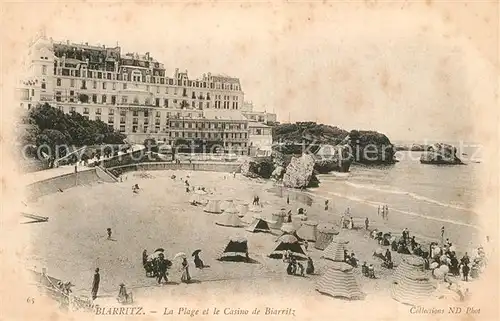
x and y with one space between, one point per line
95 284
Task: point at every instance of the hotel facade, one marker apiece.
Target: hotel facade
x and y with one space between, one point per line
132 93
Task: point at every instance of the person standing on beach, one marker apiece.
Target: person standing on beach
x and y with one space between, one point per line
386 212
162 268
185 277
366 223
288 199
109 233
465 272
326 205
95 284
442 235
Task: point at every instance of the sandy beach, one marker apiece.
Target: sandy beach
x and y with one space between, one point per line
73 243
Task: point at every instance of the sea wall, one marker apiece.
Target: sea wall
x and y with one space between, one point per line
194 166
97 174
63 182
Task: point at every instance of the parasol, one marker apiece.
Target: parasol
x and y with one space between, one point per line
160 250
433 265
180 254
196 252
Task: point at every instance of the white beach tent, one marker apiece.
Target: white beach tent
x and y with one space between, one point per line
308 231
213 207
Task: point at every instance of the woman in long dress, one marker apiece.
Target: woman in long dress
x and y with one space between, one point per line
185 277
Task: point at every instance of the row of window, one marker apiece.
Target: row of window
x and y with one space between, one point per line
136 76
225 105
175 90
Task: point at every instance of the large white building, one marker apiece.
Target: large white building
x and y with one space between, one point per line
133 94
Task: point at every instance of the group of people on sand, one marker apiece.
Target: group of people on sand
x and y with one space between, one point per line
158 266
383 211
295 267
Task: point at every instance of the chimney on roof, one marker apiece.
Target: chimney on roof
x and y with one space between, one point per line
67 42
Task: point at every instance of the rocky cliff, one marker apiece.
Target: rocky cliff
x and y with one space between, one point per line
440 154
367 147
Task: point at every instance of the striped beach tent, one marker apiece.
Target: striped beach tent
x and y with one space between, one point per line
408 264
308 231
213 207
413 288
335 251
324 235
339 281
290 243
230 219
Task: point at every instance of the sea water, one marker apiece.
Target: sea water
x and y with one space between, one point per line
435 192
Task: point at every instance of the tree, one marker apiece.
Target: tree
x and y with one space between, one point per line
53 143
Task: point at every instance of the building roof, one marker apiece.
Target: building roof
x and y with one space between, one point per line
254 124
223 114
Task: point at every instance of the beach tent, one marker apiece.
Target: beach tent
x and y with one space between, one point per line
231 208
335 251
236 250
308 231
243 209
259 225
414 288
325 233
339 281
290 243
255 208
298 220
288 229
279 218
213 206
230 219
407 265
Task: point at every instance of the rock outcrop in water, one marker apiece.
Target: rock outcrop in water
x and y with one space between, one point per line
300 172
367 147
370 147
440 154
333 158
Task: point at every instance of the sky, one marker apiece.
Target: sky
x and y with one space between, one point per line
412 71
